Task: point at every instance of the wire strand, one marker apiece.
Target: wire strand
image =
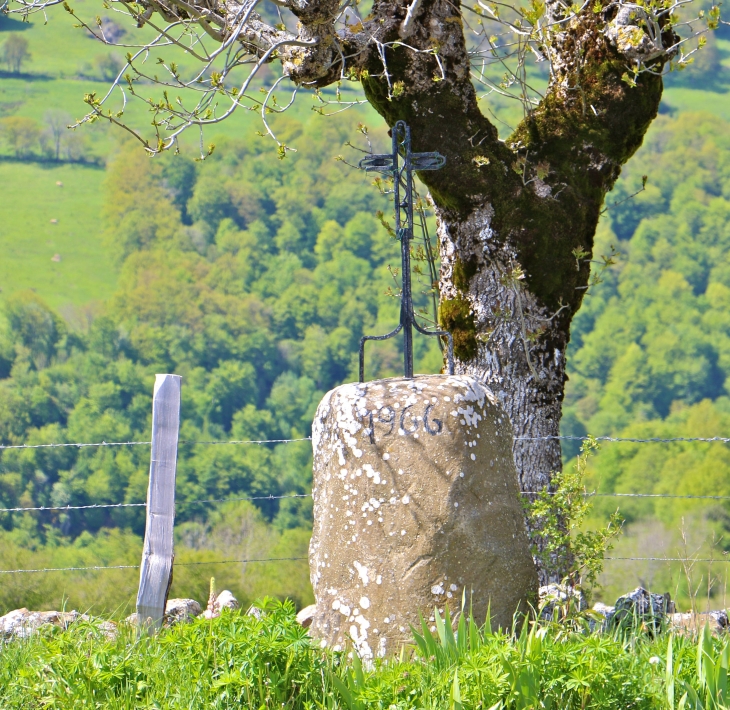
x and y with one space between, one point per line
144 505
669 559
96 506
97 568
261 442
177 564
81 445
630 440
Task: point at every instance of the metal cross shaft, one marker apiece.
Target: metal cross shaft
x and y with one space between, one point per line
401 163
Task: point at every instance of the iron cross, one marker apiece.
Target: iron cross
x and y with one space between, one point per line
401 163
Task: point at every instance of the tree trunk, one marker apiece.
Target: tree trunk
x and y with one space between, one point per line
527 373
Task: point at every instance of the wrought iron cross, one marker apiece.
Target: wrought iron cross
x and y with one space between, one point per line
401 163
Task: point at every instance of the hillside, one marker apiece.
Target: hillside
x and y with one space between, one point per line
254 278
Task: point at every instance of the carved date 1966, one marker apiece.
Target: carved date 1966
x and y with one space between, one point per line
408 422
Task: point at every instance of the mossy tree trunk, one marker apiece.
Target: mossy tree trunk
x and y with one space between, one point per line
516 218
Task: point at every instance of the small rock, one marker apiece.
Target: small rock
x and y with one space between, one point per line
255 611
600 616
304 617
181 610
641 606
717 620
226 600
553 597
218 602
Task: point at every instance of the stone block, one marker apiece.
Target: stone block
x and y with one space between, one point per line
416 506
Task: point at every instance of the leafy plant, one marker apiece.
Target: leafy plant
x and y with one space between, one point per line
710 689
557 516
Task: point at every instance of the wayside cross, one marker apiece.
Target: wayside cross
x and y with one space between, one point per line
401 163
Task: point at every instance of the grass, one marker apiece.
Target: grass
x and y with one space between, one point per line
239 661
29 241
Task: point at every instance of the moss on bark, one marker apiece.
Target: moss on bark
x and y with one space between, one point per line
455 315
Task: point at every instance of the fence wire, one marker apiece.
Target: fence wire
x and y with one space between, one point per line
97 506
82 445
671 559
144 505
94 568
261 442
629 440
97 568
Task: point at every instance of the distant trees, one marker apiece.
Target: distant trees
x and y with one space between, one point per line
107 66
103 67
20 134
25 137
56 129
15 52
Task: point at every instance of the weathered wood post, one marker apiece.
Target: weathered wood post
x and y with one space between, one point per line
155 576
416 503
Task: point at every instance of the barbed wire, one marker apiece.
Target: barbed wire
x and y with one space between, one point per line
670 559
234 500
657 495
78 445
91 506
630 440
144 505
594 494
250 441
591 494
260 442
82 445
97 568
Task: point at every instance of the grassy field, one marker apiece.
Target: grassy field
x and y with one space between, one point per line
29 240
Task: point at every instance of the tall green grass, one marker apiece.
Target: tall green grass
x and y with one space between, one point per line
240 661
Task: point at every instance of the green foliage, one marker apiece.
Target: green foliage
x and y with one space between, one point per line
707 689
240 660
653 335
650 352
558 515
235 531
20 134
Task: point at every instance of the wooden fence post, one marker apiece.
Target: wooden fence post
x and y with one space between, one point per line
155 575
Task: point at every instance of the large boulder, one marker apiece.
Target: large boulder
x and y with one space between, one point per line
416 506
